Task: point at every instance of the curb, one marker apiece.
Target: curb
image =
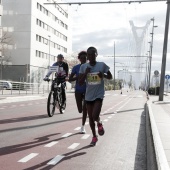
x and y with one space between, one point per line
161 159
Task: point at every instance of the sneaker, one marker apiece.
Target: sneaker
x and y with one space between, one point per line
94 141
100 129
83 131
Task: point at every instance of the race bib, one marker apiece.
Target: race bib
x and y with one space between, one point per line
93 78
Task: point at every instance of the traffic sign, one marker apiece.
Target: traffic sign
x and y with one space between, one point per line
167 76
156 72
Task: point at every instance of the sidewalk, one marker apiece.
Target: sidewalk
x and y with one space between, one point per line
159 115
25 97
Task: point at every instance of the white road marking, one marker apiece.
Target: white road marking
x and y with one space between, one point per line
86 123
85 136
2 108
110 117
22 105
29 104
55 160
73 146
117 111
27 158
66 135
115 94
105 120
139 96
78 128
51 144
113 114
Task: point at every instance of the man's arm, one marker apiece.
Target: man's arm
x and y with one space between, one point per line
108 75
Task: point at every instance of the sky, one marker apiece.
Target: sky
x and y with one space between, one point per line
103 25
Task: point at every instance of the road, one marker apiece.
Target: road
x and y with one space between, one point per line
30 140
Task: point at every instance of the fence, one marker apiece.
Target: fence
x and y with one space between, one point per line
15 88
10 87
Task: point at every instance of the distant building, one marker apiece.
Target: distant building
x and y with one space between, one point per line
37 31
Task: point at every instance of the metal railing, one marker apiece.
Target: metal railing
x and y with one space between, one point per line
10 87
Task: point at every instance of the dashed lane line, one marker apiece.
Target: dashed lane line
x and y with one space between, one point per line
28 157
67 135
86 123
55 160
85 136
51 144
105 120
78 128
73 146
109 117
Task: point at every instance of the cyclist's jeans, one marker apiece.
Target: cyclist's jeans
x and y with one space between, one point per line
63 95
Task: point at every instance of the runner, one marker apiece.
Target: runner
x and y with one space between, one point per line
93 73
80 90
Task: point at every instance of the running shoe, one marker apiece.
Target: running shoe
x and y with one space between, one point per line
82 130
100 129
94 141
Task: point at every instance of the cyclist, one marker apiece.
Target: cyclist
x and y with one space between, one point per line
61 75
80 90
94 72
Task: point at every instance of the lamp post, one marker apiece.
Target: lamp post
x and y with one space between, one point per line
49 52
114 65
151 48
163 67
1 57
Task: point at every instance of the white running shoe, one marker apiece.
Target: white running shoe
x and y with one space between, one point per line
83 131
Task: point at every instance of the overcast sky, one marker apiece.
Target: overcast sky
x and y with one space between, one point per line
102 25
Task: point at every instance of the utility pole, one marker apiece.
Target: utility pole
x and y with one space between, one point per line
114 66
49 53
161 90
151 48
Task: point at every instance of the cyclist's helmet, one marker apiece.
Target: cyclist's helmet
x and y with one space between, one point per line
60 56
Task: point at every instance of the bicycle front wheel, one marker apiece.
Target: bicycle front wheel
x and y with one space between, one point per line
51 104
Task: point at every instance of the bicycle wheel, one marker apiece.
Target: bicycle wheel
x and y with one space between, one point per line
51 104
59 100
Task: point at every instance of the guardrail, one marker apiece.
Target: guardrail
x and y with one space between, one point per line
10 87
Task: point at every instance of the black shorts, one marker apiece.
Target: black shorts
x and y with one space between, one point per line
92 102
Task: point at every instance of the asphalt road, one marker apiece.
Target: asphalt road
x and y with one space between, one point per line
30 140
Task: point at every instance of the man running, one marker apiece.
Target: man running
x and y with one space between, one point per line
80 90
93 73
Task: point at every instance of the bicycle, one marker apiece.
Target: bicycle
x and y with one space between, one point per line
55 98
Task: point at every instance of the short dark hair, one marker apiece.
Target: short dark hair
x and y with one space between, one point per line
82 53
92 48
60 56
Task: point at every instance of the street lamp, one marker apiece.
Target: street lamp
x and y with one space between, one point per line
161 90
151 48
1 57
49 52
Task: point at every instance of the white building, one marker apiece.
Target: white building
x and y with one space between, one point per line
36 30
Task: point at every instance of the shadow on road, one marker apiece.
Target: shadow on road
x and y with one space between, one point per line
68 156
40 125
37 142
140 157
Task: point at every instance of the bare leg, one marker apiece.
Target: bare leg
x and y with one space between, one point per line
91 121
96 110
84 113
79 99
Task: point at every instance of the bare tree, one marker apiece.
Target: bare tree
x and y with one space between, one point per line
5 44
